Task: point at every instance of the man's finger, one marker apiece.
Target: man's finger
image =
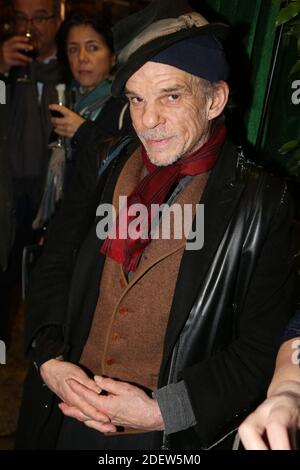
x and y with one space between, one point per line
18 63
18 39
94 399
100 427
18 56
74 400
278 436
89 383
251 436
86 400
112 386
73 412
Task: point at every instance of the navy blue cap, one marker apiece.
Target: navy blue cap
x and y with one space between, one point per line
202 56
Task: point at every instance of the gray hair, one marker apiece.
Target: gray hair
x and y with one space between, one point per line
205 86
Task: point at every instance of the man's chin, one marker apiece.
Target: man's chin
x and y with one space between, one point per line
163 159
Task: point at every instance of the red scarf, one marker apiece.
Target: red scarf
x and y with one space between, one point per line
154 189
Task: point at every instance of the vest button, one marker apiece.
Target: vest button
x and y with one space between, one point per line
116 337
123 310
110 362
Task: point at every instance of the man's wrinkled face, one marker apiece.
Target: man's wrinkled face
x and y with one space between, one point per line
37 16
169 111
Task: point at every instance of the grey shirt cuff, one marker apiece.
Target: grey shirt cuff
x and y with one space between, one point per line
175 407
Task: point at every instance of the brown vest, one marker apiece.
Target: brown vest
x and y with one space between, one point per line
127 334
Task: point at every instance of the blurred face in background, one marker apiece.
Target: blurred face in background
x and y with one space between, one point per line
89 56
39 17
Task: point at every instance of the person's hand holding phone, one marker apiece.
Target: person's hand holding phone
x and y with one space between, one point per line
65 121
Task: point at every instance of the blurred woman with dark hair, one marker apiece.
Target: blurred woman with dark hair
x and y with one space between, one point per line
85 47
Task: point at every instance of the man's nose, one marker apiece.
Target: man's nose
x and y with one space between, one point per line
26 25
152 115
30 24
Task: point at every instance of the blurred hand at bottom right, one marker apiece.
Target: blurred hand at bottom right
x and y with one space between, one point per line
275 424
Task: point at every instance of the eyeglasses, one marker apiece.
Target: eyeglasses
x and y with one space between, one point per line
35 20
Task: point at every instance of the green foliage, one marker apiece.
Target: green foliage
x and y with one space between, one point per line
295 68
289 16
289 146
290 152
288 13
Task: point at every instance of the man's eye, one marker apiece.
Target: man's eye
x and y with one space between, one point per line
40 19
135 100
173 97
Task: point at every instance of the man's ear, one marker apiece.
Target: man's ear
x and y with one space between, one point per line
218 100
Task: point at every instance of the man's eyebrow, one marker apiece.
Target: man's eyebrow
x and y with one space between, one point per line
174 88
42 11
170 89
129 92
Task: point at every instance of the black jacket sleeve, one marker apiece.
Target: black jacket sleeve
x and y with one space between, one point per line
48 295
48 344
225 387
293 328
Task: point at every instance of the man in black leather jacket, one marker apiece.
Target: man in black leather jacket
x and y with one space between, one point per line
171 342
26 126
